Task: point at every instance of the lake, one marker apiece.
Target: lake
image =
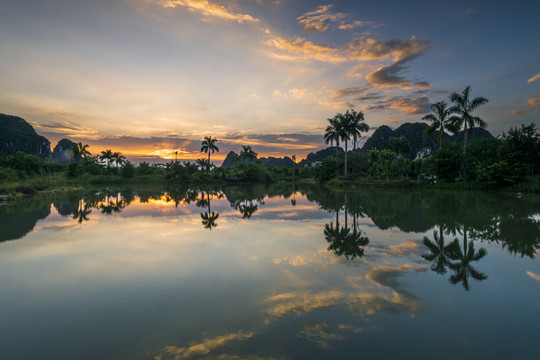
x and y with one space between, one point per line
270 273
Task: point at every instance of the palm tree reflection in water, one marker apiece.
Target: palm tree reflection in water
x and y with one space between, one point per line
455 258
344 241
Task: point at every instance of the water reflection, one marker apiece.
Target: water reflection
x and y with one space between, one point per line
292 272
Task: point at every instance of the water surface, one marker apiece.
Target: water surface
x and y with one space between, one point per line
270 273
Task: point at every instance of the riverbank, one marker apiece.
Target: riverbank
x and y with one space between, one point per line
530 185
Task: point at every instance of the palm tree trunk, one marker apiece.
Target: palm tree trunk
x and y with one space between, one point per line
465 153
345 167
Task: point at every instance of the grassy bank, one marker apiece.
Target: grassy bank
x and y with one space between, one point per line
530 185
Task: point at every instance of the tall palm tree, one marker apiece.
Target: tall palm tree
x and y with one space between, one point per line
440 120
247 153
345 130
209 146
331 135
463 108
80 151
357 125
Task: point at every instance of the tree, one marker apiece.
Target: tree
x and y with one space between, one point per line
80 151
357 125
209 146
331 134
400 145
463 108
107 156
247 153
440 120
344 130
293 158
118 158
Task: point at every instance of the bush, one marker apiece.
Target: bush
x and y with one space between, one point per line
128 170
447 162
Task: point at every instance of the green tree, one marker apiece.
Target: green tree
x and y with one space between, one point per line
440 120
331 134
107 156
81 151
447 162
247 153
344 131
357 125
463 108
209 146
400 145
118 159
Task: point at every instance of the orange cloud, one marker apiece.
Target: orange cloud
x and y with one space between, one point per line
323 16
301 49
202 348
534 78
534 102
208 8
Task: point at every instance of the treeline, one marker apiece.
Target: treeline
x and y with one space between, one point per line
496 162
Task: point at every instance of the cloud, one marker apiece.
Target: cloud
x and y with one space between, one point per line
534 78
534 102
64 127
401 51
208 8
299 303
515 113
320 19
409 105
372 49
301 49
203 348
534 275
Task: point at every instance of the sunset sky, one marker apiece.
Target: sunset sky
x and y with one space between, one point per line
148 77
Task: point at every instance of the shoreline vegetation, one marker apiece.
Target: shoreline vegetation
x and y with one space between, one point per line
443 158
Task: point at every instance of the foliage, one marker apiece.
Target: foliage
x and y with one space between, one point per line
127 170
447 162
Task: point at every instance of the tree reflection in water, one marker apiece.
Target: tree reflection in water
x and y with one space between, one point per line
345 241
209 217
455 258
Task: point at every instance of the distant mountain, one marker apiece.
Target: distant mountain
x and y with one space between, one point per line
63 151
477 133
414 133
281 162
18 135
228 162
319 156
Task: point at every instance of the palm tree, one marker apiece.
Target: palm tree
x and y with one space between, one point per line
463 108
107 156
203 163
331 135
294 166
80 151
247 153
209 146
440 121
357 125
118 158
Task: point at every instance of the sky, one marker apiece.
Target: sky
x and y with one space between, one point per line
151 77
